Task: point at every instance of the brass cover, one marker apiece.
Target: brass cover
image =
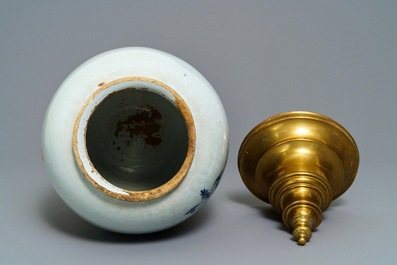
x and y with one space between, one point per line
298 162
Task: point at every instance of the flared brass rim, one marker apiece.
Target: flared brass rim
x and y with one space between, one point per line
130 195
246 157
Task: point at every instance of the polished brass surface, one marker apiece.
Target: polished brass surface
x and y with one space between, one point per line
298 162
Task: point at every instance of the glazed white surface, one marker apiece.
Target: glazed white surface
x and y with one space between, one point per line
209 158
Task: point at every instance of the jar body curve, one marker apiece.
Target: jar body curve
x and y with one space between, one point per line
135 140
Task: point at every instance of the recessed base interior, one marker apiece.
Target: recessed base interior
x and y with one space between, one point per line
137 139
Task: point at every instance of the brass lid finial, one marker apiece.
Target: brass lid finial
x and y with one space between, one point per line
298 162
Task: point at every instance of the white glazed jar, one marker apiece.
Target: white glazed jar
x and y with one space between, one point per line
135 140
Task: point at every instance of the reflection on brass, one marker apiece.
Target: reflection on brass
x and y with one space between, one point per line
298 162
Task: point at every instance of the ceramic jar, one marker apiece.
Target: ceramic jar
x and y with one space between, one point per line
135 140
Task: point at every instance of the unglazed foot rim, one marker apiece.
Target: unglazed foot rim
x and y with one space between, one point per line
161 175
88 168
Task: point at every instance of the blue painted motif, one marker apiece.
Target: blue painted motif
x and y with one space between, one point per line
205 195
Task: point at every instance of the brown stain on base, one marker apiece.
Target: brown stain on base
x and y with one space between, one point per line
145 123
139 196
